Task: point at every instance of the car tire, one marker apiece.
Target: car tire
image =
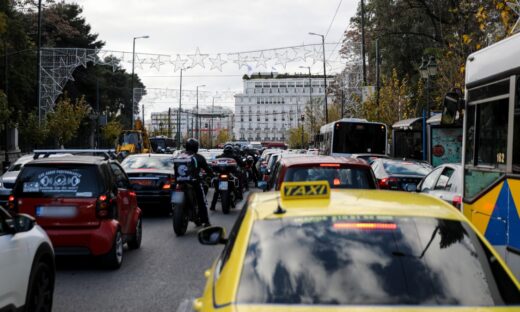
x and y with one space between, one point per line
180 220
41 288
114 258
135 240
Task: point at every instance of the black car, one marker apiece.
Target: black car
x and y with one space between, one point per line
399 175
152 177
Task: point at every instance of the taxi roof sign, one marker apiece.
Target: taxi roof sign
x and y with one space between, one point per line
305 190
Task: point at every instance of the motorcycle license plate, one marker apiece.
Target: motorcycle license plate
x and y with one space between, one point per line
177 197
223 185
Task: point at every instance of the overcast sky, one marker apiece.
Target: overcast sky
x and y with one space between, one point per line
214 26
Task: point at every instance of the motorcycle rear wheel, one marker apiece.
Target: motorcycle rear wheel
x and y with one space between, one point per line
180 220
224 195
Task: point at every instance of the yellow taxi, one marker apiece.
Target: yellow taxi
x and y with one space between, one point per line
308 248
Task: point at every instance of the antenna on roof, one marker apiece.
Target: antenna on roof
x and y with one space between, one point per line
279 210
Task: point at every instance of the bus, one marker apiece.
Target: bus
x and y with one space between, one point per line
349 136
491 147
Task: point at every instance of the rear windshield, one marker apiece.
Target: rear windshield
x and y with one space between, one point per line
367 260
59 181
409 168
145 162
338 177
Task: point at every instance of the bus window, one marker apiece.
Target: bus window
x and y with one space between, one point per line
470 133
492 133
516 134
359 138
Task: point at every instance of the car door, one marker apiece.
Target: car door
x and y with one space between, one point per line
427 185
15 266
442 187
123 197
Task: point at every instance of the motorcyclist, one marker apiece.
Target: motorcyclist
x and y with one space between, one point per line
227 153
192 147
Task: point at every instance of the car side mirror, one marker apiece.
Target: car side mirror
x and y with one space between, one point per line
212 235
20 223
453 105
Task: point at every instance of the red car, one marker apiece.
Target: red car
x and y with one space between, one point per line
84 203
341 172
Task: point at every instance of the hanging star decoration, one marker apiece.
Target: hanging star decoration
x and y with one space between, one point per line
308 53
197 59
81 58
297 55
217 62
282 58
156 63
178 63
515 7
240 60
138 62
261 60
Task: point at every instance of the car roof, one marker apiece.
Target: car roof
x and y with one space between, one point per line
315 160
75 159
354 202
150 155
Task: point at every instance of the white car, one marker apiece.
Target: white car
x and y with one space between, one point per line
27 270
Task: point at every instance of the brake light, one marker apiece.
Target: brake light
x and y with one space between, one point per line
224 176
336 181
168 184
330 165
11 202
384 183
103 205
365 226
457 201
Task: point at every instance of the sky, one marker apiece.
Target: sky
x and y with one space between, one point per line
180 27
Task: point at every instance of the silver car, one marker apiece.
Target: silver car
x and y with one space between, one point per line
444 182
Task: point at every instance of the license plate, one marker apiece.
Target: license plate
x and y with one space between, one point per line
143 182
56 211
177 197
223 185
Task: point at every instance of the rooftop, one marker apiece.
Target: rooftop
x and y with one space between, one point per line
274 75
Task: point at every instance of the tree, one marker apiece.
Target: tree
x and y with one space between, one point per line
32 133
394 104
64 121
295 138
111 131
223 136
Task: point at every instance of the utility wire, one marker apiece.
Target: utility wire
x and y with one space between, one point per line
332 21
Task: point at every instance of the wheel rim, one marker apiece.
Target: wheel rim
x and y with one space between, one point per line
119 248
43 292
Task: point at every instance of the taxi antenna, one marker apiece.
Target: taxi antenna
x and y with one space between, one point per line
279 210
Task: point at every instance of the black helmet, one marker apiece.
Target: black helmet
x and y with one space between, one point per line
192 146
228 149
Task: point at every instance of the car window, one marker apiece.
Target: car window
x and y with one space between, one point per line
455 182
65 180
121 179
145 162
274 176
371 260
442 182
430 180
407 168
226 253
337 176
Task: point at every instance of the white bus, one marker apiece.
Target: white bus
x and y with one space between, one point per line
349 136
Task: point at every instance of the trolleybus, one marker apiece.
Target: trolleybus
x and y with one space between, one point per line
491 151
349 136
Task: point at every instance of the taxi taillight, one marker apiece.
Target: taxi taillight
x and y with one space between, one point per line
364 226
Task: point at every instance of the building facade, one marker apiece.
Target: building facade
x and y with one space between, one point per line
271 104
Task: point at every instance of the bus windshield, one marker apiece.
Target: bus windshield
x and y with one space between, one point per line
352 138
129 138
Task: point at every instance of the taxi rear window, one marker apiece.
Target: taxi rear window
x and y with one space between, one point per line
72 180
371 261
338 176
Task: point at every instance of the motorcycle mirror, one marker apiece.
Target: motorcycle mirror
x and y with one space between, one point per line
212 235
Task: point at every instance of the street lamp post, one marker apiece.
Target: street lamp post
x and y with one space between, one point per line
132 79
179 111
324 74
428 70
310 98
197 117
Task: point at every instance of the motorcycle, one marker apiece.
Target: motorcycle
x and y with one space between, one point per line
225 182
183 196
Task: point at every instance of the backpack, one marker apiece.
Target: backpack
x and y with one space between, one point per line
185 167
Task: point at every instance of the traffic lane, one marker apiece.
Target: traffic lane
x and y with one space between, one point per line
164 272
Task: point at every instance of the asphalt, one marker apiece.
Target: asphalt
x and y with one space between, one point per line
166 273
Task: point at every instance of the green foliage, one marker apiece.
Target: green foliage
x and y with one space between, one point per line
295 138
111 131
33 134
223 136
5 112
63 123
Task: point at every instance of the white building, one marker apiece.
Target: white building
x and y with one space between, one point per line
272 103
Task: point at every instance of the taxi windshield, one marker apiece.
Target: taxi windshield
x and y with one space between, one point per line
367 260
336 175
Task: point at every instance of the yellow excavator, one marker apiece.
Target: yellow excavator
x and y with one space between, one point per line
134 141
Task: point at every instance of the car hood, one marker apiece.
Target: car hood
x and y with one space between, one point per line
10 176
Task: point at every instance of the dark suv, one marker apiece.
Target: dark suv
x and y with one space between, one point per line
84 203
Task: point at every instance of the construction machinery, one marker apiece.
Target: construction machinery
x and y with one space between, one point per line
133 141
